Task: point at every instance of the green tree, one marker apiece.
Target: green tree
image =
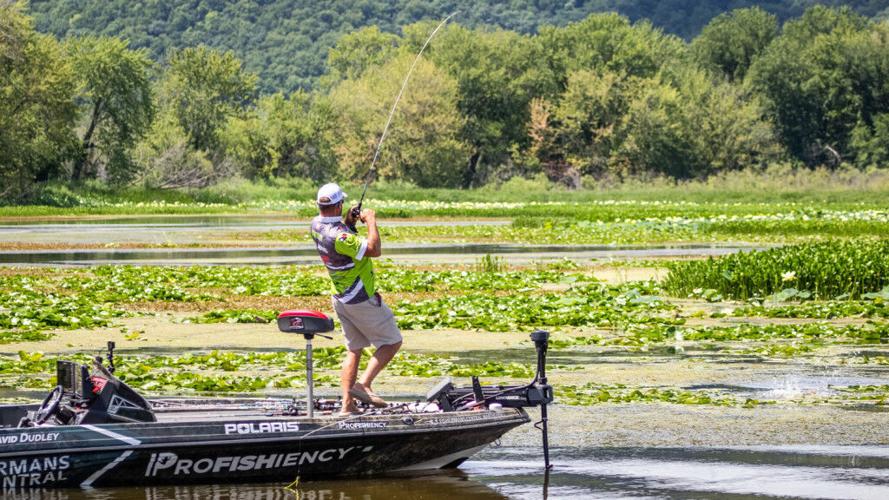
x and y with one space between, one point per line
731 41
355 52
823 77
115 100
423 145
498 73
725 125
203 88
871 143
687 126
166 160
284 137
655 139
608 42
588 117
36 105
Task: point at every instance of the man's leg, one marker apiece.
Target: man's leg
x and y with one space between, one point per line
347 378
380 359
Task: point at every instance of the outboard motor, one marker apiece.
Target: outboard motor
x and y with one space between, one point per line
114 400
83 397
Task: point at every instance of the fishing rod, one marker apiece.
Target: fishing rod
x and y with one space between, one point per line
355 211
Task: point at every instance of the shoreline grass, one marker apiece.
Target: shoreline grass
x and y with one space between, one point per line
776 185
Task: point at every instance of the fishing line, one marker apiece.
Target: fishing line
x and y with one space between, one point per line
407 77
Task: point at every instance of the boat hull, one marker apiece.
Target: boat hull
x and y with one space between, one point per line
184 450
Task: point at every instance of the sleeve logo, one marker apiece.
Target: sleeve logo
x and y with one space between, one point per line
343 236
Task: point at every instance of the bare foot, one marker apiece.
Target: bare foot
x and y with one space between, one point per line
366 395
349 409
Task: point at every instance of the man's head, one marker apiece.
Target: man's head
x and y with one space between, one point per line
330 200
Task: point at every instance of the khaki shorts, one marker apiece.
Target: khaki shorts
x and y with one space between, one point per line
367 323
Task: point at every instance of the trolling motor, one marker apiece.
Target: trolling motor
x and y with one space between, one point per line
543 390
308 324
537 393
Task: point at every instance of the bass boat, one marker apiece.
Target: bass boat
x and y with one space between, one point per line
94 430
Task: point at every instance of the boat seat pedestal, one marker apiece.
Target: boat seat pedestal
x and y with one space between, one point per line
308 324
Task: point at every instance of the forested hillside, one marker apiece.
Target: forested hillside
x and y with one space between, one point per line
286 41
599 98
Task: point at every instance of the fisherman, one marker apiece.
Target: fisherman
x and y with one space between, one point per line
366 319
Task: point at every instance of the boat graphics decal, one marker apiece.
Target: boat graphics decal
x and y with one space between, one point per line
123 456
114 435
260 427
170 464
101 472
29 437
118 402
33 472
361 425
447 419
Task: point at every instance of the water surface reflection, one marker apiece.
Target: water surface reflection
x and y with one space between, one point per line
787 471
439 486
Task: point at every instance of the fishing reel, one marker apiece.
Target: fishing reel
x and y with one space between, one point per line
353 215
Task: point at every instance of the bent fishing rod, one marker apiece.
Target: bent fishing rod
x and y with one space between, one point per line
355 211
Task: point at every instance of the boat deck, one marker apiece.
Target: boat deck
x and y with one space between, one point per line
182 410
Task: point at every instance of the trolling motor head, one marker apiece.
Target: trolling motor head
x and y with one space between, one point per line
541 342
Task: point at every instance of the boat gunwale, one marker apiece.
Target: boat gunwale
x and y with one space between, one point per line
518 417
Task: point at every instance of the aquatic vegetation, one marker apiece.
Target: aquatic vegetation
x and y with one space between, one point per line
200 283
235 316
858 334
629 224
490 264
815 310
592 304
779 350
405 279
878 394
9 337
28 310
592 394
556 343
826 270
773 341
232 371
174 283
86 298
865 359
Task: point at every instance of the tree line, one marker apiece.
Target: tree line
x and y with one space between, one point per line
285 42
599 97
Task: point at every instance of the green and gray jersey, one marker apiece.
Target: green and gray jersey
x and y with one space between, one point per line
342 252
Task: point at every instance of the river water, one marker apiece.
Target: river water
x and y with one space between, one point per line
67 239
583 467
846 472
306 255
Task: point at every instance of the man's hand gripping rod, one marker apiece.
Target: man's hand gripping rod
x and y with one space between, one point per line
355 212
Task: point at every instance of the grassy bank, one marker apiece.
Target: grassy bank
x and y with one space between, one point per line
778 186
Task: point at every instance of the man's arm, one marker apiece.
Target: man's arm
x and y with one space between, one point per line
374 245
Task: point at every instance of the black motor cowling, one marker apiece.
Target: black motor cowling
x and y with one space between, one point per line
98 397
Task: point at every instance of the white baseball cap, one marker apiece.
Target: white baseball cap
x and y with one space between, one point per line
330 194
